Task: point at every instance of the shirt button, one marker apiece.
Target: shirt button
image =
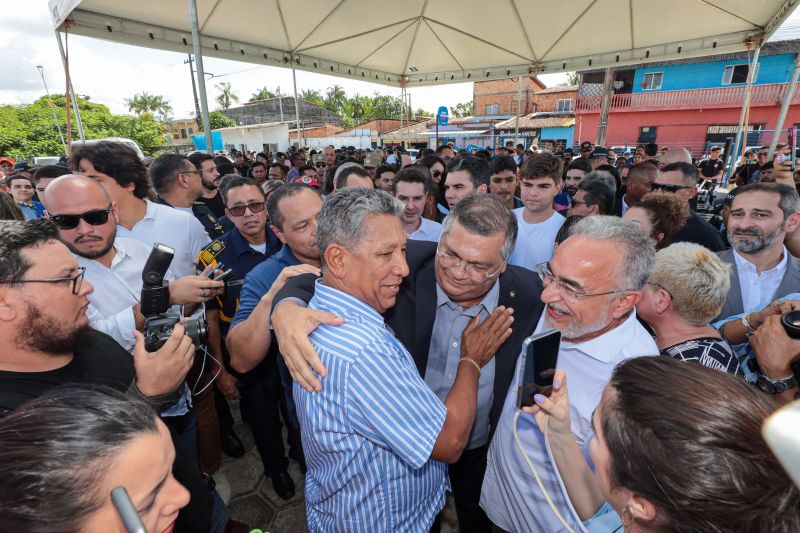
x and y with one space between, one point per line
455 344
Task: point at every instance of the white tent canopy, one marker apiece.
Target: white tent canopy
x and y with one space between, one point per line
431 42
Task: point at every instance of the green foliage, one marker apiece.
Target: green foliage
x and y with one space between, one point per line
28 130
573 78
422 113
262 94
226 96
218 120
464 109
360 108
313 96
154 104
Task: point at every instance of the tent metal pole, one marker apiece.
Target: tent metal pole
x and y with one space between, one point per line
201 75
71 89
53 108
741 131
296 106
519 110
787 100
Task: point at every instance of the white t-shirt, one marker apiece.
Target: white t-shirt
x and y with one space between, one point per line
261 248
176 229
535 241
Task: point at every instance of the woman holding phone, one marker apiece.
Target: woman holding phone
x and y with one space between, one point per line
677 448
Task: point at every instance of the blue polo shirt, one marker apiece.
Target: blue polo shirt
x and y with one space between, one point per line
233 250
31 212
259 280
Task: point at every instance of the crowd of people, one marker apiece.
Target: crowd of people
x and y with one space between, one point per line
374 309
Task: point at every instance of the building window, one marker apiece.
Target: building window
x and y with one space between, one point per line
736 74
493 109
647 134
652 81
564 105
183 133
190 131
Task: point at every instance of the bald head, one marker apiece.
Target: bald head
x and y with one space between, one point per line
73 194
676 155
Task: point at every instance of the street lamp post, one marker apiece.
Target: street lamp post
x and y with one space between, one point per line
53 108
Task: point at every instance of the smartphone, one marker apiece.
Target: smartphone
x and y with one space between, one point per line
540 354
210 274
126 510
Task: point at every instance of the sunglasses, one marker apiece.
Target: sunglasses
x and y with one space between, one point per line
254 207
669 188
98 217
436 173
320 165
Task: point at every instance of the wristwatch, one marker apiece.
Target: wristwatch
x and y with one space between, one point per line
775 386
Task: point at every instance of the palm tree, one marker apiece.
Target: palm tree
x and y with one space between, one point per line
335 99
149 103
312 95
262 94
226 96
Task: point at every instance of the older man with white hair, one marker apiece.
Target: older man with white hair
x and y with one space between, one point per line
591 287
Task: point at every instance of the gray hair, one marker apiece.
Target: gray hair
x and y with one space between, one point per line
602 176
484 215
639 253
344 214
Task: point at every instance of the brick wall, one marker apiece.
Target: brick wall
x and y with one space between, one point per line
504 93
549 101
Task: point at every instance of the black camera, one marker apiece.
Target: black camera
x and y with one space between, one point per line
791 323
154 303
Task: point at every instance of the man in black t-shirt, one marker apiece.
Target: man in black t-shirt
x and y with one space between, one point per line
48 342
713 167
209 179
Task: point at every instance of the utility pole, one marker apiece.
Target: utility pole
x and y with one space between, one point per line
190 60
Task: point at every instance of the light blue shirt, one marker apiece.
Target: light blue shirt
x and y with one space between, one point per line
445 352
428 230
368 436
510 494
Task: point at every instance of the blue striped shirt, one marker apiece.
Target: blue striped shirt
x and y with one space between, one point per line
369 434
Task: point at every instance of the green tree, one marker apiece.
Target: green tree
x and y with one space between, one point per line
422 113
335 99
573 78
313 96
226 96
262 94
28 130
154 104
464 109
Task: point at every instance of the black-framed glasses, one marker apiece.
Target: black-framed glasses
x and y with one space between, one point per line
476 273
763 154
77 280
669 188
657 286
96 217
254 207
568 292
321 165
578 202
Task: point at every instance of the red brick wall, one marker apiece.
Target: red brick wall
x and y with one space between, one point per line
504 93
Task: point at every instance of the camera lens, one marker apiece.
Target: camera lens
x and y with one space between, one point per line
791 323
196 330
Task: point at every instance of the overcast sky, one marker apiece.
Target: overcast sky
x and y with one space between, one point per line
110 72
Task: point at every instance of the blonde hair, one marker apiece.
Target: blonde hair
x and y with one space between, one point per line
695 277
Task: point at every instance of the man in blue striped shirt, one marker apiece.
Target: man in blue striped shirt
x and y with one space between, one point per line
376 438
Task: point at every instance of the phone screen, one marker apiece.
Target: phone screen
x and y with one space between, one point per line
541 356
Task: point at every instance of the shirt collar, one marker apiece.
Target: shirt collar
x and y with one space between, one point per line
488 303
239 244
286 256
346 305
150 211
743 263
609 345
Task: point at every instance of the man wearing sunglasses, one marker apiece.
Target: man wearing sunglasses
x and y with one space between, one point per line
681 179
179 184
464 279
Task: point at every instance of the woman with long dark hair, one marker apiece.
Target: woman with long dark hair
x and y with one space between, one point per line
677 448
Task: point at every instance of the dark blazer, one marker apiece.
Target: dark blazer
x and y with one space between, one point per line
733 303
413 315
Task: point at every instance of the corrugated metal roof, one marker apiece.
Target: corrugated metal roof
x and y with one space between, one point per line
537 120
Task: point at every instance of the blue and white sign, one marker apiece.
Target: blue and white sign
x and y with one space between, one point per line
442 116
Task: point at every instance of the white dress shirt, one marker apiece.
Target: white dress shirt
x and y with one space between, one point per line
176 229
117 290
757 289
510 495
428 230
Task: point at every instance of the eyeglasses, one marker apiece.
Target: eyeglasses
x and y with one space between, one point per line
476 273
436 173
77 280
320 165
577 202
657 286
97 217
763 154
568 292
669 188
189 172
254 207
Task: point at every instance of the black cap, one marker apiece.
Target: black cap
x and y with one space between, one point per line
599 151
586 145
568 152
